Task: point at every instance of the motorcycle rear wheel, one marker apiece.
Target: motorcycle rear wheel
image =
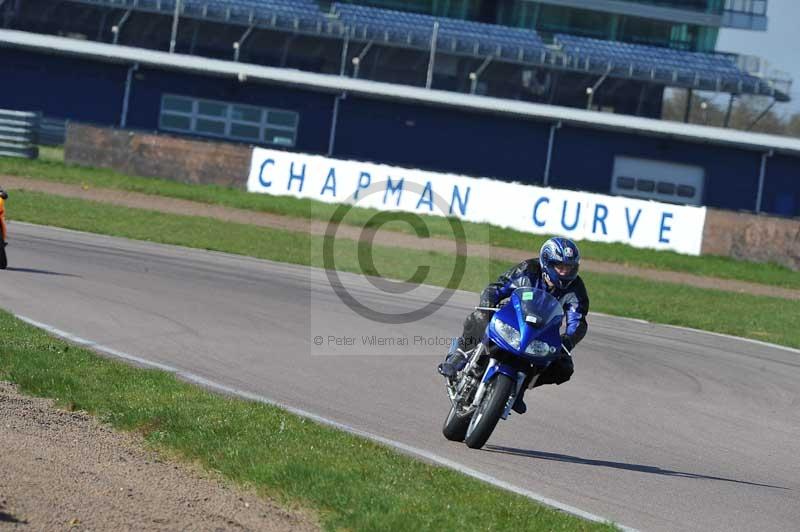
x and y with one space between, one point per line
485 418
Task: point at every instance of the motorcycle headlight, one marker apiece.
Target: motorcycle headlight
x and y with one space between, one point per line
507 333
540 349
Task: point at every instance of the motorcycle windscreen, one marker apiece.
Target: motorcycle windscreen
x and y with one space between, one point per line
536 307
539 314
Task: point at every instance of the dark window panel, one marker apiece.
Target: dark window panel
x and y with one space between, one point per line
282 118
211 127
645 185
626 183
176 103
214 109
246 114
666 188
246 131
179 122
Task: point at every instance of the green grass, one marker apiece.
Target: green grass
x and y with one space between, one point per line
54 154
762 318
51 167
351 483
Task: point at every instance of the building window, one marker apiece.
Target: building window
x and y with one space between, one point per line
645 185
212 118
626 183
665 187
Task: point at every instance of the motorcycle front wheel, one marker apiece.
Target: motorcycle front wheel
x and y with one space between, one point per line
485 418
455 426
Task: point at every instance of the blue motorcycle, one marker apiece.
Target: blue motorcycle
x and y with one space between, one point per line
523 338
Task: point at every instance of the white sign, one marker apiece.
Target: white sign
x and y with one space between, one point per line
546 211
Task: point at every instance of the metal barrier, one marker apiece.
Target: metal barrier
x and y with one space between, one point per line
19 134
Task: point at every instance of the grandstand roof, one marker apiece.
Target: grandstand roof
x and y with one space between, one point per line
330 83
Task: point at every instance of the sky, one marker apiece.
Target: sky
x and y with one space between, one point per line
780 44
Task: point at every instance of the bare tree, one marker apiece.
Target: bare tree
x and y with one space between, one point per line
751 113
793 126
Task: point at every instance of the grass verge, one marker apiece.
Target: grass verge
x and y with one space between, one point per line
353 484
761 318
52 168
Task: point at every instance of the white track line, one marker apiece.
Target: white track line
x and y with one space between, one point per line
407 449
701 331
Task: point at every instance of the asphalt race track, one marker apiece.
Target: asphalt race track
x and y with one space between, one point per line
660 428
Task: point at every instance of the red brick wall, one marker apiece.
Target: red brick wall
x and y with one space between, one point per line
752 237
185 160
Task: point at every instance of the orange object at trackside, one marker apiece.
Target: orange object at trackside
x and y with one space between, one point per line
2 220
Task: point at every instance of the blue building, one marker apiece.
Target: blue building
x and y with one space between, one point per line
321 110
407 126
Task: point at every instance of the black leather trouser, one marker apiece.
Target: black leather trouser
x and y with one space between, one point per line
558 372
474 329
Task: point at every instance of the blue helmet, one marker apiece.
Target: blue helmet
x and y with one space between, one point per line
559 259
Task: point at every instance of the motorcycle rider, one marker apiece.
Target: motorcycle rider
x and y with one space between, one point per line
556 271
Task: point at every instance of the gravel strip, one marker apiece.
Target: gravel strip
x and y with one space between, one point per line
64 470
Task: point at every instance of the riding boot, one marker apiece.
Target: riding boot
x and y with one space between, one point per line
519 404
455 361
